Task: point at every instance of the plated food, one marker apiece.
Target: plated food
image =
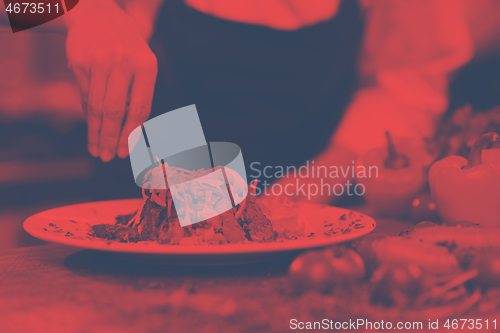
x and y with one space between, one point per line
322 225
157 218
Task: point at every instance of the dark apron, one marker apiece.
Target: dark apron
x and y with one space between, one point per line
278 94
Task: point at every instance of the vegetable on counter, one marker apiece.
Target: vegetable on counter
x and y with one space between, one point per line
324 269
416 276
397 284
311 271
348 265
487 264
400 250
462 235
459 130
468 190
367 250
402 169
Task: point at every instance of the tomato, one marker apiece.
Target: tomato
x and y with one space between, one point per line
487 262
311 270
367 251
321 270
348 265
396 284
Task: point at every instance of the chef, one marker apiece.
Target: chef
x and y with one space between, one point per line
290 81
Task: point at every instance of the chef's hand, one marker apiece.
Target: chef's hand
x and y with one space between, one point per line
116 71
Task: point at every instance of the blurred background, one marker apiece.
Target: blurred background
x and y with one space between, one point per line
43 158
44 161
42 135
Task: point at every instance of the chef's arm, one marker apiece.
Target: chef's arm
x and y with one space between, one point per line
144 13
410 49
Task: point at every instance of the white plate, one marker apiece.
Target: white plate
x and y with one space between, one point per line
71 225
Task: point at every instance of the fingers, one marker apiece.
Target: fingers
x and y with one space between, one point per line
82 78
113 112
140 106
97 89
106 84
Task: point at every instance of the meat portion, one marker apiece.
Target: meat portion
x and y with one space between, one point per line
116 232
124 219
255 222
231 229
150 219
170 231
157 218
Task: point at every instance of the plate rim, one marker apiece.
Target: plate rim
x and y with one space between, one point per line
153 248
